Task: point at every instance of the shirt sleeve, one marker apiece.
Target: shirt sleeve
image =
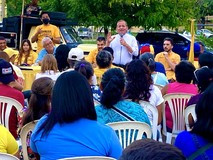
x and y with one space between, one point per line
90 57
134 47
57 34
40 56
12 145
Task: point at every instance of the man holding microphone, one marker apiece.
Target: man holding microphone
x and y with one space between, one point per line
123 44
168 58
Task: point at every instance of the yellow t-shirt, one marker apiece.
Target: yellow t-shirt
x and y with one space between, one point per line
30 60
46 31
99 72
91 58
174 57
8 143
10 52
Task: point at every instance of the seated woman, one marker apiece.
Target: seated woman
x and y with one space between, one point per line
26 56
198 144
71 129
49 68
203 77
140 87
184 73
157 77
40 99
85 68
8 143
112 86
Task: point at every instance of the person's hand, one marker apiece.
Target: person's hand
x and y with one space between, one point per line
123 42
110 38
39 31
165 54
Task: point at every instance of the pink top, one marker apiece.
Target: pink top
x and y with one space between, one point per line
177 87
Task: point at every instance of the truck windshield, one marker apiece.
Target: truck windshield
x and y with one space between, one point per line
70 35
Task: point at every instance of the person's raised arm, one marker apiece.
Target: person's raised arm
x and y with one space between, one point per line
34 38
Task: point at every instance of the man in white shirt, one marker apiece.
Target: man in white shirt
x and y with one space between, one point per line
123 44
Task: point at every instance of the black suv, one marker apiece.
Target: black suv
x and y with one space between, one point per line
156 39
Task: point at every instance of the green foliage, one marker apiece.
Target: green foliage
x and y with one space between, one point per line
207 41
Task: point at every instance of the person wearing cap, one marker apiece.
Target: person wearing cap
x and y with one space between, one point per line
3 47
18 75
75 55
123 44
197 50
48 48
6 77
91 58
45 30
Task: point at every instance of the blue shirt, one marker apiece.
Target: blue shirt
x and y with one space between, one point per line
159 79
132 109
82 137
43 53
186 144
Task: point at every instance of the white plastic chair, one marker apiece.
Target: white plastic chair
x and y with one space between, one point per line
154 111
6 105
24 134
176 103
89 158
129 131
190 110
5 156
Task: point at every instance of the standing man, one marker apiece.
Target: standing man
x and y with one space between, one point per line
91 58
45 30
123 44
168 58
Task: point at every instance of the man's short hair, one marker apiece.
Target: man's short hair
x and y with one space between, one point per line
2 38
170 40
43 13
44 40
151 150
101 39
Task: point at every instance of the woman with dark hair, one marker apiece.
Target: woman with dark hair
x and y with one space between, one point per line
61 55
184 73
26 55
198 144
112 103
140 87
203 77
157 77
85 68
71 129
40 99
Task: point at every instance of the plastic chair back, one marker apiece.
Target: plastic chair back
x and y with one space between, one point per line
24 135
154 111
6 105
129 131
176 103
5 156
190 110
89 158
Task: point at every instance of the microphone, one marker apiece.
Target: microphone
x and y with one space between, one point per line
121 35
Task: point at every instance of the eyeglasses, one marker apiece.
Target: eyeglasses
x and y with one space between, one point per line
197 70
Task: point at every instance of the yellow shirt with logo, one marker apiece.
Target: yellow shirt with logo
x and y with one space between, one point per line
46 31
30 60
8 143
174 57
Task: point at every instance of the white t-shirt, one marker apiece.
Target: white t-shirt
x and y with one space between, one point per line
49 73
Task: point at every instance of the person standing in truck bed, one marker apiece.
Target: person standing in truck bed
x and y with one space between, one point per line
45 30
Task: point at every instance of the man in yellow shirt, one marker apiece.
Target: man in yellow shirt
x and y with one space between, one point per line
45 30
91 58
168 58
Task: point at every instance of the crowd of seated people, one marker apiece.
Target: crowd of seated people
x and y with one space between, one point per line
74 100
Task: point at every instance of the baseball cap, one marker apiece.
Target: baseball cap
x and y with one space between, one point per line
76 54
10 52
6 72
